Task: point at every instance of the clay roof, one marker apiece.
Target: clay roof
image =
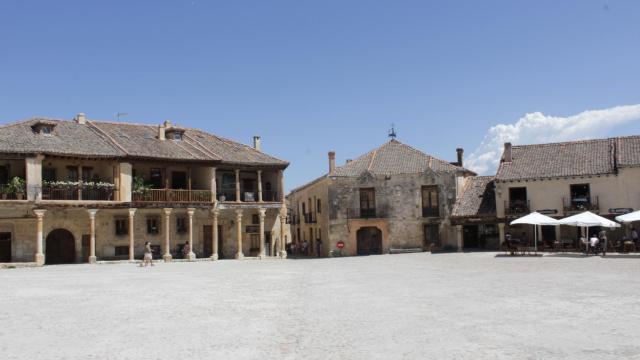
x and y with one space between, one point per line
575 158
394 158
115 139
477 198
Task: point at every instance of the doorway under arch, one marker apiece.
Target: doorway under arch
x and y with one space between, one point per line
369 241
60 247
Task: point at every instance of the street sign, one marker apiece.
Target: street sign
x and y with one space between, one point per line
340 244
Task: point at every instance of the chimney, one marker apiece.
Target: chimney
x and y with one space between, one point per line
256 143
507 152
332 161
167 124
161 129
460 152
81 119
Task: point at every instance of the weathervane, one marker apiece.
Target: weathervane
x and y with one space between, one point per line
392 132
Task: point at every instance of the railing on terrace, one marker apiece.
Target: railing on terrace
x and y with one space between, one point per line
248 196
226 195
581 204
79 192
516 207
172 195
8 193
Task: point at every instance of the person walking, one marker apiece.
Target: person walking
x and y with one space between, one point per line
186 249
634 237
148 255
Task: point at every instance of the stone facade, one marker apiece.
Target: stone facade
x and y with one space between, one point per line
400 218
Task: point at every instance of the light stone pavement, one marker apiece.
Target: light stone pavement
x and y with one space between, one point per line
413 306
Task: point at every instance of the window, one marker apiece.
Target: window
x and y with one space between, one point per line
152 226
367 202
121 251
155 178
48 174
177 135
518 200
319 206
228 181
72 173
181 225
87 174
580 197
46 130
430 207
122 226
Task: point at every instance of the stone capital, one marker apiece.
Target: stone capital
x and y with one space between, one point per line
191 211
239 213
132 211
262 213
92 213
167 211
39 213
215 212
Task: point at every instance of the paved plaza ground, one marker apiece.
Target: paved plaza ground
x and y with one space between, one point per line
413 306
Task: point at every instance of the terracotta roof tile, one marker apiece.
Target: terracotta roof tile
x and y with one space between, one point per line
477 199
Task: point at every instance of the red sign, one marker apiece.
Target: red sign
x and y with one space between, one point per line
340 244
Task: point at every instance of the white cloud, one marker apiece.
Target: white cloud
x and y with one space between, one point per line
536 128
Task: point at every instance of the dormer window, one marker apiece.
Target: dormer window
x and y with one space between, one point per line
43 127
174 133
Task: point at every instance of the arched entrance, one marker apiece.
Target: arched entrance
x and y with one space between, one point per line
369 241
60 247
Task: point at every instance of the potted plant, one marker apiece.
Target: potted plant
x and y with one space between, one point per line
140 189
16 186
4 192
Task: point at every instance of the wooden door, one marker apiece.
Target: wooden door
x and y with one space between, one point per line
5 247
60 247
207 240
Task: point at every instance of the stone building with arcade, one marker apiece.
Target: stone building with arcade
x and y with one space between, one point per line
394 198
85 191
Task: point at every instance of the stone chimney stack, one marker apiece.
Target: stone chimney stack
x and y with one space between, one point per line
507 152
460 152
161 129
332 161
81 119
257 143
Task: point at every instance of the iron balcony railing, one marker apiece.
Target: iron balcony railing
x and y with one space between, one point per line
582 203
516 207
379 212
78 192
172 196
430 212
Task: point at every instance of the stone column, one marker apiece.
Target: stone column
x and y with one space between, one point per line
132 248
39 229
214 235
259 185
192 255
459 238
167 235
126 179
281 178
283 223
501 233
92 236
237 185
33 170
239 254
214 185
262 214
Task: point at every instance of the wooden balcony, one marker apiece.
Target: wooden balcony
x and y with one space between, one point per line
172 196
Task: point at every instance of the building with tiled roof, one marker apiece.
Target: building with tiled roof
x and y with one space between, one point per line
98 190
393 198
561 179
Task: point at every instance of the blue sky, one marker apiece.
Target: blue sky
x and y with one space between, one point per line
313 76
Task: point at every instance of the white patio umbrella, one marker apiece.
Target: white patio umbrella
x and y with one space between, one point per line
630 217
535 218
588 219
